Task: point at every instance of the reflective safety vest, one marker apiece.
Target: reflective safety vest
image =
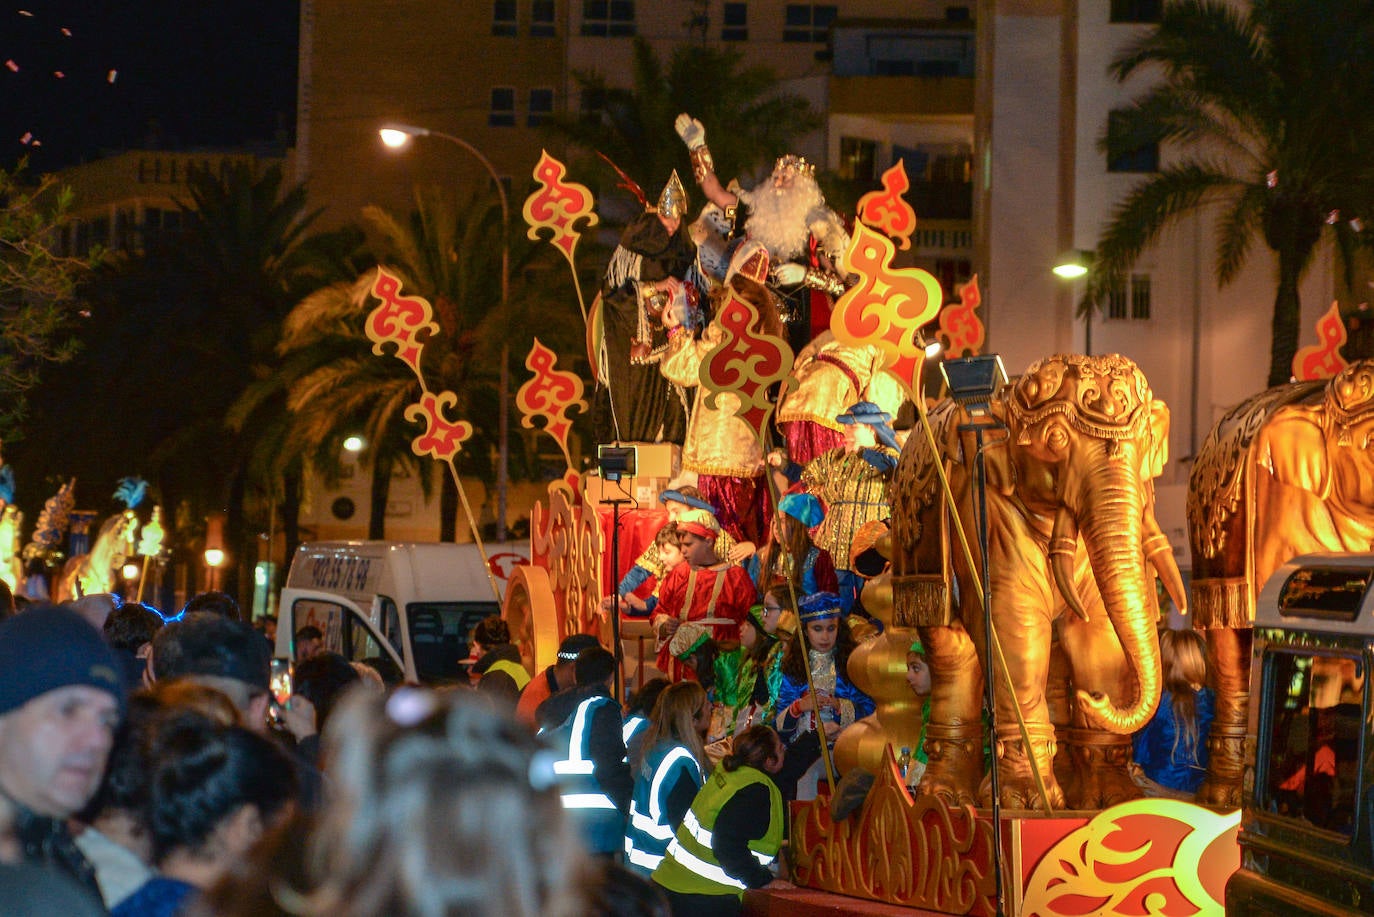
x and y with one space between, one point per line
648 833
590 809
634 726
690 865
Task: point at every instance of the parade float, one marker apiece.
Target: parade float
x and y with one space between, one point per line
1035 601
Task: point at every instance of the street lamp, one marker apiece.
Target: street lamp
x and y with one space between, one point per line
396 136
1075 265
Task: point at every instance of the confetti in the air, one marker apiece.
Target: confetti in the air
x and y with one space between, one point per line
28 135
26 13
13 67
59 74
110 77
67 32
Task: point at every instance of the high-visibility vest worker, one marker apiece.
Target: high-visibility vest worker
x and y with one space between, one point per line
651 826
691 865
600 822
633 730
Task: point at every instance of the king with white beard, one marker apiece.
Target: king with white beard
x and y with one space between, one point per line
805 239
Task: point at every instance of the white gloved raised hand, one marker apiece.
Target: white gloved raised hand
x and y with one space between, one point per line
789 274
690 130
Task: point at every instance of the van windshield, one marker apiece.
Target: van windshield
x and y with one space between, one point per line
439 633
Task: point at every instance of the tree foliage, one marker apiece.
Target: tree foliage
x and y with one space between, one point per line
749 120
38 289
1264 111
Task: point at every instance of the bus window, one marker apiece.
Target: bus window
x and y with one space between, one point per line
1311 753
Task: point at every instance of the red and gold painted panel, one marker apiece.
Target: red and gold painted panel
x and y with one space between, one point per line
1144 857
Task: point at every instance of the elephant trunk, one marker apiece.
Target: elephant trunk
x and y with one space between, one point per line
1112 513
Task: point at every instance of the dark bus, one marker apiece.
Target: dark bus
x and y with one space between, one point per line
1306 829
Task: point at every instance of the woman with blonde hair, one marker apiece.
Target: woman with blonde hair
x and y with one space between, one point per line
441 806
670 770
1171 750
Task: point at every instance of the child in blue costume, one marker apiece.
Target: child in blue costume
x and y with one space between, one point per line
790 552
1172 748
825 653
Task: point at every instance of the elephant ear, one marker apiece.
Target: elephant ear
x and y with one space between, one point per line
1293 448
1156 454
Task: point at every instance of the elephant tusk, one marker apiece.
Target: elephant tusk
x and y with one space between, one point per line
1161 556
1062 551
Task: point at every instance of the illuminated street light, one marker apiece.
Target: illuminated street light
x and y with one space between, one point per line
396 136
214 557
131 571
1075 265
354 444
1072 265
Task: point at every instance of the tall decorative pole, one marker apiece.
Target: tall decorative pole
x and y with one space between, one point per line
401 321
397 135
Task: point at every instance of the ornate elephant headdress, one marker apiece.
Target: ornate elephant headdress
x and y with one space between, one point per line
1350 398
1105 396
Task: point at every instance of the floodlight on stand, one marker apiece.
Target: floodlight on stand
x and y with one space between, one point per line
616 462
1072 265
973 381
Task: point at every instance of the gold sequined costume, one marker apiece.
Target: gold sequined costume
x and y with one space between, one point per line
854 493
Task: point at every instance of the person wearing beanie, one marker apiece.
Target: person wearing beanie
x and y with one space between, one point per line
823 647
703 589
583 725
562 674
61 698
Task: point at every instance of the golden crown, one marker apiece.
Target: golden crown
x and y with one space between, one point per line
796 164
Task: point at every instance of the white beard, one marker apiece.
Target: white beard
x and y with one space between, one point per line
780 219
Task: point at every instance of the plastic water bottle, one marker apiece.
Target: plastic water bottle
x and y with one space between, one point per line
904 762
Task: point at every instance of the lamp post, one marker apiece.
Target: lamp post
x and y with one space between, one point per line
1075 265
396 136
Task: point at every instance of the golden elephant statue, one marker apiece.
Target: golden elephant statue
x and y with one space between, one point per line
1072 450
1290 471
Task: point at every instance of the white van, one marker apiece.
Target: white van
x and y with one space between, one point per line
415 603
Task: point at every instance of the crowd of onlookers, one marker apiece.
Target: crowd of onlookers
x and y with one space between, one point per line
152 765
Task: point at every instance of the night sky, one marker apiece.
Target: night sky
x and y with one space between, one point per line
197 72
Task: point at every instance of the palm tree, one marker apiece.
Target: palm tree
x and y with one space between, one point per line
173 339
336 385
1268 109
753 121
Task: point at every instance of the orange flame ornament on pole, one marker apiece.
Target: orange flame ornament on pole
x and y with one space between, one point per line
551 394
961 330
745 363
887 306
399 319
1323 360
887 210
558 206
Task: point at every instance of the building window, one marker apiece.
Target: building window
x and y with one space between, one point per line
502 107
735 22
1130 300
608 18
1142 158
503 18
857 158
593 106
541 19
808 22
1135 11
541 106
